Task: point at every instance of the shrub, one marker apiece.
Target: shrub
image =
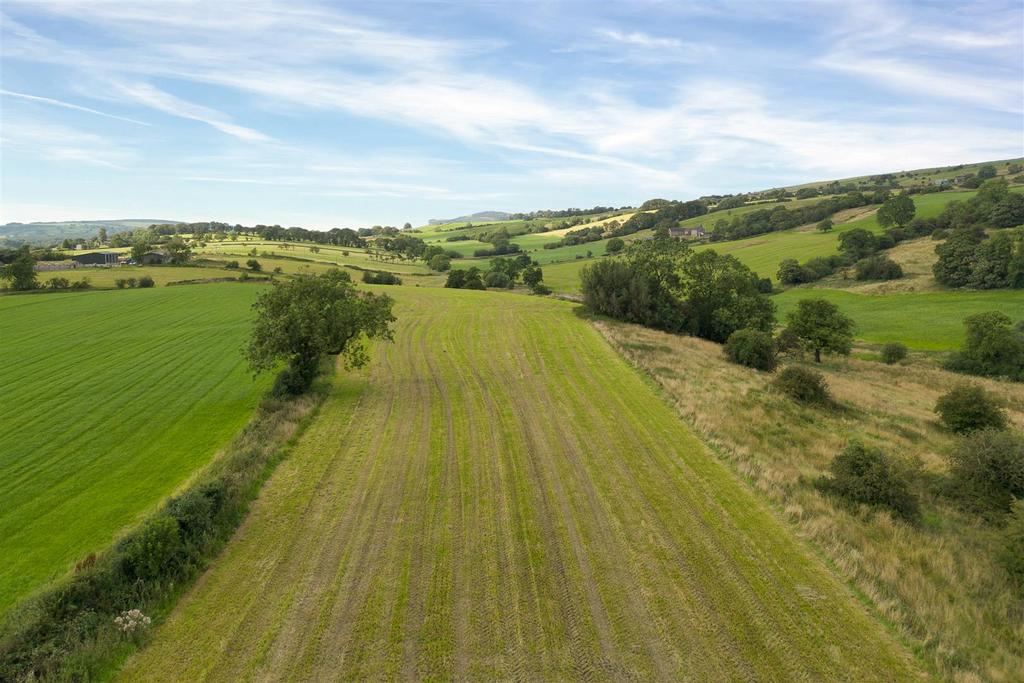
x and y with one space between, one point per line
151 552
81 284
278 270
254 265
146 281
440 262
1012 555
803 385
878 267
863 474
987 468
752 348
231 265
120 283
132 282
893 352
966 408
59 283
381 277
540 288
614 245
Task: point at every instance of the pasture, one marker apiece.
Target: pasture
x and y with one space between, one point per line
927 321
512 502
117 398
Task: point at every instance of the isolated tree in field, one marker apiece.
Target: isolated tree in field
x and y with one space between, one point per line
898 211
614 245
825 225
440 262
254 265
818 325
22 271
300 321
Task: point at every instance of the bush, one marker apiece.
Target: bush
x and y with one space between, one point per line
231 265
146 281
878 267
132 282
540 288
863 474
614 245
987 469
1013 548
893 352
59 283
120 283
254 265
380 277
803 385
752 348
149 554
966 408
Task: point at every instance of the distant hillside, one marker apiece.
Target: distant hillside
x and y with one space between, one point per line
479 217
46 232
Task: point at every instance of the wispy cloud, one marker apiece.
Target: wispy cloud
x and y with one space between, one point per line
68 105
147 95
63 143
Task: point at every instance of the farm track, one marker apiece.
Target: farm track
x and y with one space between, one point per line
499 496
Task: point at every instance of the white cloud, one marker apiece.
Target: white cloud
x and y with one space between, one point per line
147 95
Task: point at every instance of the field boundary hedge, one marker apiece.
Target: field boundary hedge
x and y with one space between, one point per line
67 630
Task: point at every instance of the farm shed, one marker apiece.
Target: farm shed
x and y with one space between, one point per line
96 258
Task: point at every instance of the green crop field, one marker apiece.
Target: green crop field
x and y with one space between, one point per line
931 321
515 502
111 401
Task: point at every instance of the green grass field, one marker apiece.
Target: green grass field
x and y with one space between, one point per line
105 277
111 401
341 256
500 496
929 321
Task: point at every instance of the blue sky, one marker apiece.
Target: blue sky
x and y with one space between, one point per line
352 114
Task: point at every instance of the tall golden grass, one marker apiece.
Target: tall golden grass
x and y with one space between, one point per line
939 583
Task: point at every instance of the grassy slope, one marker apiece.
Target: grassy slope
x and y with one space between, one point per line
511 502
922 320
763 253
939 582
116 398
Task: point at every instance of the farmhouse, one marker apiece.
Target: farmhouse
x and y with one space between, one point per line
697 231
96 258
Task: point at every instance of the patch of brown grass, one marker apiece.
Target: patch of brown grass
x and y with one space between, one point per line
938 582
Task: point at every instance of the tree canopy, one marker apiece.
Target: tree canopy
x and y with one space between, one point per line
300 321
819 326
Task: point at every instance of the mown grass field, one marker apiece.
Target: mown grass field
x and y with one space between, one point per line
341 256
928 321
105 277
500 496
939 581
111 400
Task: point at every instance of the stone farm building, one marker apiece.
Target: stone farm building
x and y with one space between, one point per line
696 231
